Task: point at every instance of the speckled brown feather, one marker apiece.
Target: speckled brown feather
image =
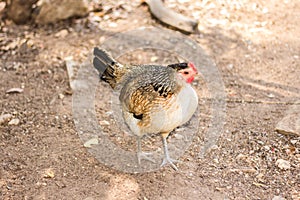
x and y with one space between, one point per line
154 99
144 101
147 88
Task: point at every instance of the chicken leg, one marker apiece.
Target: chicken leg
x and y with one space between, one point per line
140 154
167 159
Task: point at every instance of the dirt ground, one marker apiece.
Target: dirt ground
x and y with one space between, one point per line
256 47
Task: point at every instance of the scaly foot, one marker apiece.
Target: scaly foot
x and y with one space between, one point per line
169 161
144 156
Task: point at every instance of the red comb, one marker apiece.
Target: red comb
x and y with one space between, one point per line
191 65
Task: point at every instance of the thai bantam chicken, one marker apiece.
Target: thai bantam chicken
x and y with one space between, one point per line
154 98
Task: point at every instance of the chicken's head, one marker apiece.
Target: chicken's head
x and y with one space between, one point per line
188 73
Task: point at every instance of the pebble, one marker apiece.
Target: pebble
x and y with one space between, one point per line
294 141
5 118
178 136
113 25
179 129
230 66
289 125
61 96
278 198
109 113
283 164
271 95
241 157
214 147
14 122
267 148
90 142
61 34
154 58
49 173
104 123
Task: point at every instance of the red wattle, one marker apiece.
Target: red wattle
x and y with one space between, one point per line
189 80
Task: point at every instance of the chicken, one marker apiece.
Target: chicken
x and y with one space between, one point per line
154 98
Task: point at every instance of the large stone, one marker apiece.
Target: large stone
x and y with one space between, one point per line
290 124
52 11
20 10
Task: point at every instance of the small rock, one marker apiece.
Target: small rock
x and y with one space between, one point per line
214 147
180 129
52 11
14 122
61 34
290 124
265 10
49 173
283 164
260 177
178 136
154 58
30 43
267 148
241 157
248 170
294 141
14 90
20 11
61 96
5 118
230 66
104 123
260 142
278 198
102 39
109 113
113 25
271 95
90 142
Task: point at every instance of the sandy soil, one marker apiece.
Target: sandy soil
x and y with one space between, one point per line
255 45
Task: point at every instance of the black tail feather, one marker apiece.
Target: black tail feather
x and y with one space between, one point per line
99 65
104 64
104 56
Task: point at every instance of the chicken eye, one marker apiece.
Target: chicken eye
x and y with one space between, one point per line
186 72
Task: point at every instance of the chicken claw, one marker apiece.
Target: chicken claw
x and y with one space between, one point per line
144 156
169 161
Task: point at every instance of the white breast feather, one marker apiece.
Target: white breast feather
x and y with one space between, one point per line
181 110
